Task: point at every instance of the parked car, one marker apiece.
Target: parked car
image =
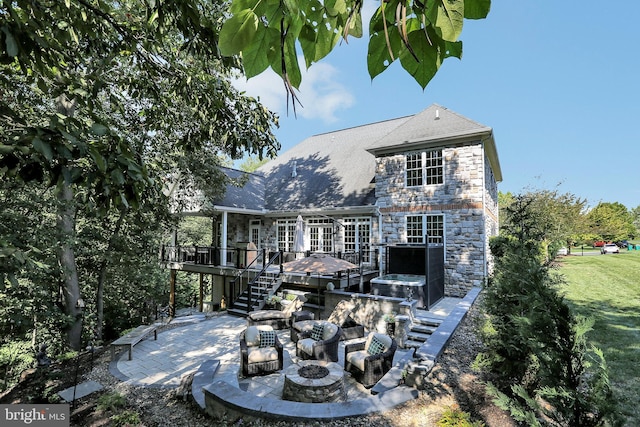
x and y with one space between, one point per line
622 244
610 248
563 251
599 244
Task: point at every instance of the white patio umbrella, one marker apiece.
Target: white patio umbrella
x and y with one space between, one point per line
298 240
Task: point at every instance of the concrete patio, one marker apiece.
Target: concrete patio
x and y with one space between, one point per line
209 347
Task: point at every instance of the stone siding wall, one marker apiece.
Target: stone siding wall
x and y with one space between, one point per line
492 226
459 199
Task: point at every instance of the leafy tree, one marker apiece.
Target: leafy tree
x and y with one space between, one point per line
105 101
541 367
420 34
635 213
611 221
252 163
557 219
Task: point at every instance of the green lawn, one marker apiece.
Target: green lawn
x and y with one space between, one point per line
607 288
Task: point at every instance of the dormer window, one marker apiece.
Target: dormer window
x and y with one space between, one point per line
424 168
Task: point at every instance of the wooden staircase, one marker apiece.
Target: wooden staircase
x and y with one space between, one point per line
262 287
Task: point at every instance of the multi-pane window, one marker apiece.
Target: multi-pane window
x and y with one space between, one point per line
430 225
414 169
321 232
286 234
357 235
254 232
424 168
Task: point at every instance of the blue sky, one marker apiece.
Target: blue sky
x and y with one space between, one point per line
559 83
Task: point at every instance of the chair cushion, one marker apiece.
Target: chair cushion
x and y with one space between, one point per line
306 345
357 358
258 355
375 347
252 334
267 339
304 325
317 332
385 340
329 331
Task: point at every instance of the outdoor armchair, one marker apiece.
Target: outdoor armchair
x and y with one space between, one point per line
278 319
260 351
369 360
320 343
341 316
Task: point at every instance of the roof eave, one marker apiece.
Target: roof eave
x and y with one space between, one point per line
350 210
439 141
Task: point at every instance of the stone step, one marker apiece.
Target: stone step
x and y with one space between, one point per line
79 391
423 329
428 321
413 344
416 336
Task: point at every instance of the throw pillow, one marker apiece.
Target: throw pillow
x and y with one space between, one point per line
375 347
267 339
316 332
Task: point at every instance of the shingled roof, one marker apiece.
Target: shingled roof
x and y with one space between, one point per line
436 125
327 170
337 169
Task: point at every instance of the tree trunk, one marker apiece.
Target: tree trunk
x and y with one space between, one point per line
102 277
67 260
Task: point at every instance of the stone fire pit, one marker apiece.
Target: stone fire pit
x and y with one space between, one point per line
314 381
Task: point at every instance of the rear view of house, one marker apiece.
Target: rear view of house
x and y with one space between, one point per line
381 195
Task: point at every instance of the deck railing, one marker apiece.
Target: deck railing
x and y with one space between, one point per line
242 257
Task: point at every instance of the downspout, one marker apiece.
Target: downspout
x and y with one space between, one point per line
379 239
484 216
223 244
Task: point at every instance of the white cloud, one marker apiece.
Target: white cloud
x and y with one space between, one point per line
321 94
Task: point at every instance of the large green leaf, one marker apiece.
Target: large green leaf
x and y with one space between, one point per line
237 32
447 17
320 32
476 9
255 57
291 62
378 57
10 42
429 58
43 147
355 25
335 7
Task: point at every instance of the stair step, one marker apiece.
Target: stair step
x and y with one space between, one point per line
430 321
424 329
236 312
415 336
413 344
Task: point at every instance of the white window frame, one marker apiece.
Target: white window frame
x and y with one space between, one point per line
285 234
418 165
321 234
354 228
425 222
254 232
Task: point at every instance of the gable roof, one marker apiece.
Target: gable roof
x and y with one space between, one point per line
337 169
249 197
331 170
438 126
